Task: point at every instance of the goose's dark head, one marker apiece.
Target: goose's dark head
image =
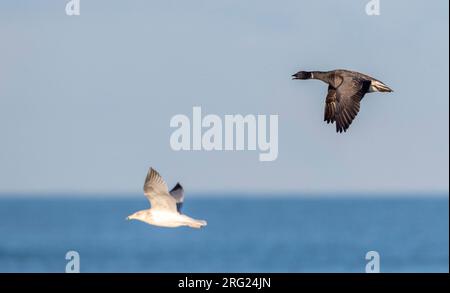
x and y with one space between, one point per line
302 75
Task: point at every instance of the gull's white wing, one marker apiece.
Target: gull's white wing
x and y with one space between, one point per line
155 189
178 193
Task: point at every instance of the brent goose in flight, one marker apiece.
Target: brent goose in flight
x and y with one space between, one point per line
345 91
165 206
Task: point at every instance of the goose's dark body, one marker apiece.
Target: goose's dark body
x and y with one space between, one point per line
345 91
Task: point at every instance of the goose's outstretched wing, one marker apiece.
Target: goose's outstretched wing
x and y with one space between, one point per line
330 105
348 97
155 189
178 194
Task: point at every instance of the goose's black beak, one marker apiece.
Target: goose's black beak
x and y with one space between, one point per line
295 76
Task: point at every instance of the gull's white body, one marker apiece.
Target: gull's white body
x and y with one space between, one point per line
165 205
167 219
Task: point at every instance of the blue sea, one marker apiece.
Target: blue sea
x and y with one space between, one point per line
274 234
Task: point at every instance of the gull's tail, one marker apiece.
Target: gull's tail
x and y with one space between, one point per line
196 223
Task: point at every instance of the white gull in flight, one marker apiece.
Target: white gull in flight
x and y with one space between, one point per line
165 205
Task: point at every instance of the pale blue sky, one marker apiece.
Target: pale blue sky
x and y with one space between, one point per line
85 102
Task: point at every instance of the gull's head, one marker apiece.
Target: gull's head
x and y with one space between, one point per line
137 216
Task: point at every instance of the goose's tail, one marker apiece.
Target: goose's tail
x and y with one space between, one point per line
378 86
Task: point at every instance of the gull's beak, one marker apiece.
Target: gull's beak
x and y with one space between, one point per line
127 218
